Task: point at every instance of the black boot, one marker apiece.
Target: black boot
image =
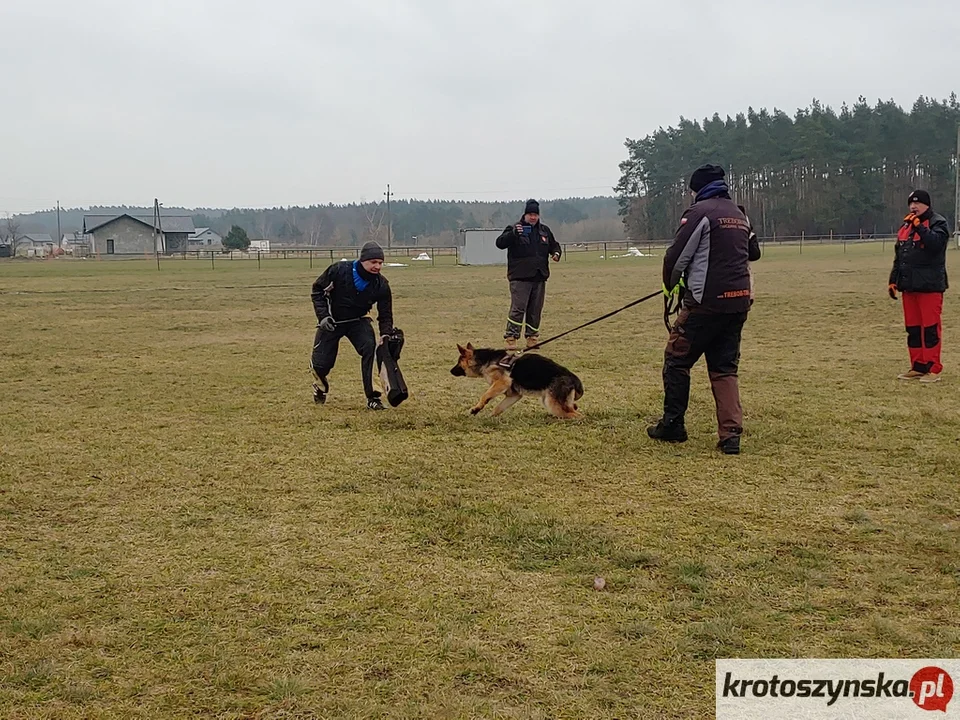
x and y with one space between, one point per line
375 403
668 433
730 446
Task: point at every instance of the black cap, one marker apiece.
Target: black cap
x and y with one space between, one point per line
704 175
920 196
532 206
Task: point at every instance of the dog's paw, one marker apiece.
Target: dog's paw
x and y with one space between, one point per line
475 410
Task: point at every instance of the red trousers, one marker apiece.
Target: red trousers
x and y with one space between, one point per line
921 314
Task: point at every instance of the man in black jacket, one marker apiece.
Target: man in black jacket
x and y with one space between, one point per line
709 258
529 245
920 273
342 296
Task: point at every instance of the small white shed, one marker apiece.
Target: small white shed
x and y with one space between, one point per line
479 247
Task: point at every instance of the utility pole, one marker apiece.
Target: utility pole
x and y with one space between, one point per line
387 193
956 207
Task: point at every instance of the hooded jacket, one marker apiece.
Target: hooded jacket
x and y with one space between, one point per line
711 253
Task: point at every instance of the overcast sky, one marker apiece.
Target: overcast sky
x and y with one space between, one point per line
207 103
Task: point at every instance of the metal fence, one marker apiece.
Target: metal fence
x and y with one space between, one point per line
315 257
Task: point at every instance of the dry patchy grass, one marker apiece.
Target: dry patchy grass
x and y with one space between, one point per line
183 533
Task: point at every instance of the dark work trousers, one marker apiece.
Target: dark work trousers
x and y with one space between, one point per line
326 344
716 335
526 306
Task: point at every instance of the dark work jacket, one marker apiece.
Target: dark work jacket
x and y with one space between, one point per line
347 302
920 256
528 257
711 253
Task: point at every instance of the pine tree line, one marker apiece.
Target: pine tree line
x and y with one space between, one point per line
817 173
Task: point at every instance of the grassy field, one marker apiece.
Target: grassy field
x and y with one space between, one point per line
183 533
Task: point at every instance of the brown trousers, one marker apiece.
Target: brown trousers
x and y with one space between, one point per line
717 336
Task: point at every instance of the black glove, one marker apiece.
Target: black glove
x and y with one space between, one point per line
327 324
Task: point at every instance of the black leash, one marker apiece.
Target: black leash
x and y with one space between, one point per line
671 306
586 324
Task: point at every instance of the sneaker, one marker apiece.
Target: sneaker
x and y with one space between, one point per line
510 343
667 433
319 396
930 378
910 375
532 340
375 403
730 446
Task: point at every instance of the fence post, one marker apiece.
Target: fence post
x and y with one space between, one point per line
433 257
802 234
258 259
311 258
212 261
158 258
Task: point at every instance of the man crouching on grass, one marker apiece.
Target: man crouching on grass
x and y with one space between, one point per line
342 296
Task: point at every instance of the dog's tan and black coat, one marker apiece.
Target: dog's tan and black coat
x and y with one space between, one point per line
530 374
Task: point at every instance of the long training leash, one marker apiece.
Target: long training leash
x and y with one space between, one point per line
595 320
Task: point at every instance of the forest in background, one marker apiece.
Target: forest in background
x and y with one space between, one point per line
818 172
412 222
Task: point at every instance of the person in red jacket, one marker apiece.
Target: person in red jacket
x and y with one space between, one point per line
920 274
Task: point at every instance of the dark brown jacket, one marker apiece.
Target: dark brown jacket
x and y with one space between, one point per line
711 254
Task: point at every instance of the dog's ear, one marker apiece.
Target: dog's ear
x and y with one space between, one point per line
461 349
469 346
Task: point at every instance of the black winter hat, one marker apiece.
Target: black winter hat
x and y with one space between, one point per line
371 251
704 175
920 196
532 206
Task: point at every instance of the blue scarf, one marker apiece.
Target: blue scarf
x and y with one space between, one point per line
358 282
717 187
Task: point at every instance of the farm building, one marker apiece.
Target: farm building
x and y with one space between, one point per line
205 239
127 234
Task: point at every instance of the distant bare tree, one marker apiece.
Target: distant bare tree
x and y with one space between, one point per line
317 228
263 226
11 235
374 223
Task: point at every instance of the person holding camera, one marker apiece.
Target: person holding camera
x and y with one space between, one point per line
342 296
529 244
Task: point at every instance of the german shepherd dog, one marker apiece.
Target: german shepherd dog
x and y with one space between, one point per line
530 374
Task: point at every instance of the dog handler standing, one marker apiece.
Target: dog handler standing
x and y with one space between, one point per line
342 296
529 245
710 259
920 274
